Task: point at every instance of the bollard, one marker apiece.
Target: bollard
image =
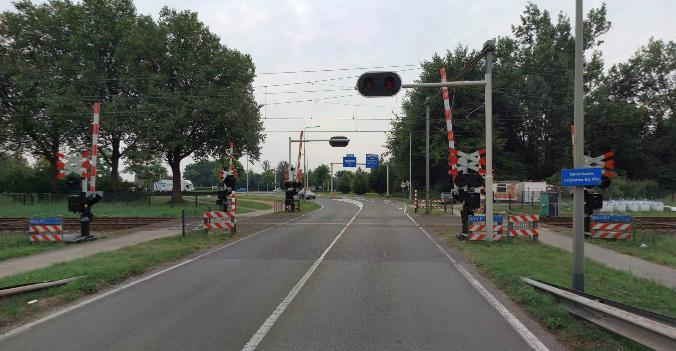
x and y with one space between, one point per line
195 200
183 223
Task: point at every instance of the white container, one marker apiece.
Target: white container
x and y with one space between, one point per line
644 205
657 206
608 206
632 206
620 206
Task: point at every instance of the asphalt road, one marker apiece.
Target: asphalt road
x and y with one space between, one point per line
314 284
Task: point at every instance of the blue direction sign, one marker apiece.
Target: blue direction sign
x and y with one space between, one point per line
581 177
611 218
349 161
372 161
45 221
482 218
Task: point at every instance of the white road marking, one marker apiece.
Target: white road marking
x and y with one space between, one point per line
267 325
526 334
63 311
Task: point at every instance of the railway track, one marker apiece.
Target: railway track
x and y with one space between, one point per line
661 223
20 224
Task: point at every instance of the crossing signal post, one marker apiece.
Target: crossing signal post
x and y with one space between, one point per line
80 176
593 200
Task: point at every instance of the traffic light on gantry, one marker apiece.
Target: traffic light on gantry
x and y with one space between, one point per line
378 84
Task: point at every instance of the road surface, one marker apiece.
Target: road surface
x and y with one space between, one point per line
345 277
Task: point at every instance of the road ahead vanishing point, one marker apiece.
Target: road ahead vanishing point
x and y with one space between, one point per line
351 276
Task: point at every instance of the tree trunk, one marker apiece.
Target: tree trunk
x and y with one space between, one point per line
51 158
175 164
115 165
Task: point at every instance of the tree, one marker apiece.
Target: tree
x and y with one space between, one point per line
360 182
377 179
117 47
532 103
202 172
204 97
267 174
320 175
40 58
344 181
281 169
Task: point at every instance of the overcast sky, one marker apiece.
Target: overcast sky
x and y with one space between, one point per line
284 36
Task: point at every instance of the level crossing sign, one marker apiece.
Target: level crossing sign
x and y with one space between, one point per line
581 177
372 161
349 160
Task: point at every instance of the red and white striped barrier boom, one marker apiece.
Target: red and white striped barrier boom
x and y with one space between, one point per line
448 116
299 173
95 146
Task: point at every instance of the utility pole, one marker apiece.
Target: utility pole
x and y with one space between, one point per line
427 156
578 156
488 91
410 165
247 173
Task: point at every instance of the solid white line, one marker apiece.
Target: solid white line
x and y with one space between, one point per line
63 311
267 325
526 334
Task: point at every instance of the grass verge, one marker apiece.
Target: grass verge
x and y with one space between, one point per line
661 247
101 271
504 263
17 245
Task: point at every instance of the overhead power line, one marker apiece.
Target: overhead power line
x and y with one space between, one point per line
337 69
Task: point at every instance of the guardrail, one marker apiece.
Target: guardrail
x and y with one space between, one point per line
647 328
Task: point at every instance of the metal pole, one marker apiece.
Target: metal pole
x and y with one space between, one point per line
331 179
247 173
305 165
290 175
410 165
183 222
489 143
578 156
388 181
427 158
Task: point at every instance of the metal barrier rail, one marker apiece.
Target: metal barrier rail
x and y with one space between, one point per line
647 328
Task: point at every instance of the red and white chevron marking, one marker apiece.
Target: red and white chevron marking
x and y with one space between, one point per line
524 218
218 214
219 225
45 237
523 233
482 227
51 228
482 236
601 234
611 226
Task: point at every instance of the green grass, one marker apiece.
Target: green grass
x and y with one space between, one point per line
17 245
506 262
100 270
661 247
159 206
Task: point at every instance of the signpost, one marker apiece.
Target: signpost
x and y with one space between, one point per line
581 177
349 161
372 161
